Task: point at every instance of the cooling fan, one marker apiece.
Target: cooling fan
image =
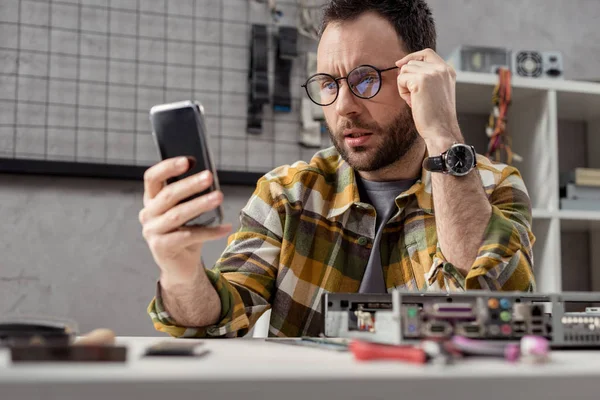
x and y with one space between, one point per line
528 64
538 64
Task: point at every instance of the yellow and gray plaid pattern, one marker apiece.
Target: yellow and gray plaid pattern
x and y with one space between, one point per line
305 232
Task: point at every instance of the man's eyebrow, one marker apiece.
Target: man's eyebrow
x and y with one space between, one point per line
364 64
323 73
326 73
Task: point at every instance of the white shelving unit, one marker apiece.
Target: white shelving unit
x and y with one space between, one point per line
538 109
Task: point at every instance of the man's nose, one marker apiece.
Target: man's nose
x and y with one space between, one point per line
346 103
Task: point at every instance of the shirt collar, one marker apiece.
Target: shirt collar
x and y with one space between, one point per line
346 190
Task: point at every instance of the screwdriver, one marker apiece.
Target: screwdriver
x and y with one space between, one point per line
366 351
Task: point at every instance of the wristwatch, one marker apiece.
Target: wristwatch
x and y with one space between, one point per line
458 160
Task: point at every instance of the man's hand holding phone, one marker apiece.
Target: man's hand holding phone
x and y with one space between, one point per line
182 210
177 248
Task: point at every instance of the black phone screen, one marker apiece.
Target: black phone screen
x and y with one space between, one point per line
179 131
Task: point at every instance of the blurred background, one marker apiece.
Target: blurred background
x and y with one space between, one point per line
77 79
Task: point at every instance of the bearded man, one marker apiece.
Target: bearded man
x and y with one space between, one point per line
399 200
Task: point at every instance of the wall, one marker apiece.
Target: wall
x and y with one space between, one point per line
91 70
566 25
72 247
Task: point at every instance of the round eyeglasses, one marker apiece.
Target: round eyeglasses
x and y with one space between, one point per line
364 82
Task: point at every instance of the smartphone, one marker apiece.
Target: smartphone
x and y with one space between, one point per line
179 130
178 348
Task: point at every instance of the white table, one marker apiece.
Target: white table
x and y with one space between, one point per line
255 369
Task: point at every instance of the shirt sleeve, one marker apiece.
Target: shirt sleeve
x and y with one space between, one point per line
505 257
244 276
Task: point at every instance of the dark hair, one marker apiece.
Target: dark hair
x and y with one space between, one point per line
412 19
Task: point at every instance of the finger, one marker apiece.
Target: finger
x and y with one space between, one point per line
417 67
407 85
427 55
177 216
424 68
408 82
420 64
155 176
174 193
173 242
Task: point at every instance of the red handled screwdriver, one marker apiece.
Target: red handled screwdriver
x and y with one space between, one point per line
365 351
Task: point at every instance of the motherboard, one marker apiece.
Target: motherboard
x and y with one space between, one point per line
405 317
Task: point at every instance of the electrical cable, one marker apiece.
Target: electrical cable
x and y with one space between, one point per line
500 142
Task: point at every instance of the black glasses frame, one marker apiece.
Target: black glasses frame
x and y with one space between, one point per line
336 80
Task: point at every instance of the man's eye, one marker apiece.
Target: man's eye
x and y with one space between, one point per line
328 85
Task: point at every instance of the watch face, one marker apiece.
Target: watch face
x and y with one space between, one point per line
460 160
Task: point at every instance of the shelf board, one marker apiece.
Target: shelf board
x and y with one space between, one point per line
578 215
563 85
539 213
571 220
576 100
107 171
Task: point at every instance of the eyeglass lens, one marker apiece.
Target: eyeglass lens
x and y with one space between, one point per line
364 82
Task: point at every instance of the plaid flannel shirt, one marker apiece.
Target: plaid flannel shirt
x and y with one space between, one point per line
305 232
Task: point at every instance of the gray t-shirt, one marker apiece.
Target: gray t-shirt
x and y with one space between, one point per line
382 196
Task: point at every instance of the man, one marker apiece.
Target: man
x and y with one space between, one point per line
373 213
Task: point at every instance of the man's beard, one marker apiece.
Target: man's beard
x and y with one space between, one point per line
399 137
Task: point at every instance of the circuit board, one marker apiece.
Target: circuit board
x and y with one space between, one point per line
402 317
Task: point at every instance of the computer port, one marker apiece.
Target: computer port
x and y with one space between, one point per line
494 330
506 329
412 328
519 328
521 312
536 311
493 303
454 307
537 330
412 311
505 303
518 334
458 311
505 316
437 329
469 330
583 339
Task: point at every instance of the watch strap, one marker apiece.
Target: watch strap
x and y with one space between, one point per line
434 164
